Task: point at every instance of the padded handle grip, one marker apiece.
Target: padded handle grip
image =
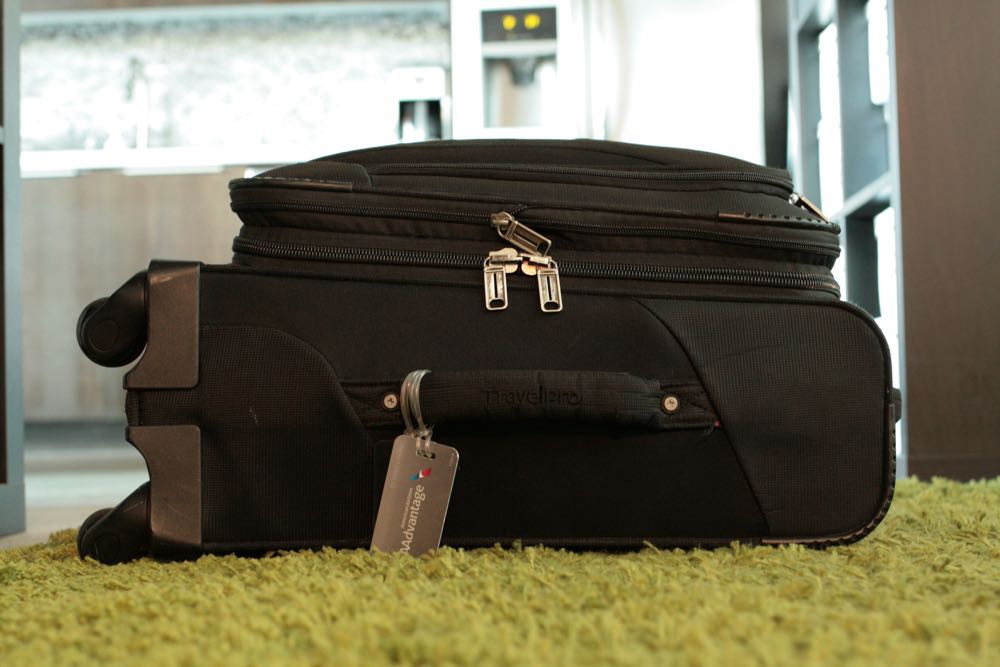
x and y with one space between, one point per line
517 395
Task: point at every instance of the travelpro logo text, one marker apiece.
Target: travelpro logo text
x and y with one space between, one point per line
411 517
540 396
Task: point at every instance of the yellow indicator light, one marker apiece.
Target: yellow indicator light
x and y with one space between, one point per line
509 22
532 21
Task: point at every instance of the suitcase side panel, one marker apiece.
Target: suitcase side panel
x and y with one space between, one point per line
284 458
289 463
803 392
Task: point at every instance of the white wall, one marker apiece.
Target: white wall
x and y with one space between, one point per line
684 73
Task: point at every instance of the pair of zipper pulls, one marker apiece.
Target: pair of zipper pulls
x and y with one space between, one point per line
531 257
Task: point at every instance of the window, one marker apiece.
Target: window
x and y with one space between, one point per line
878 50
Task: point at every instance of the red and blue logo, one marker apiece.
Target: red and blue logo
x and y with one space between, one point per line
420 475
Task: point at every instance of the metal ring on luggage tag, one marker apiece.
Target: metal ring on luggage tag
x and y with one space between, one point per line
404 402
409 395
423 432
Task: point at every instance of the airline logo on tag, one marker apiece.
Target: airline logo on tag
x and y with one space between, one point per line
415 497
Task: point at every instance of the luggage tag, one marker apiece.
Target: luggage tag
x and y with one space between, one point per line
418 483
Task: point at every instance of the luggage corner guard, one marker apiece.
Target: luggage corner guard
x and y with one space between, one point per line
172 311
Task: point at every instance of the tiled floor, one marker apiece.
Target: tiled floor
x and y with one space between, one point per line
71 470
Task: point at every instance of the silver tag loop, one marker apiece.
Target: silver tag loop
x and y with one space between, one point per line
404 403
413 417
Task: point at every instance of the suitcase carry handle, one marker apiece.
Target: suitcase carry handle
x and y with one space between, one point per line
610 398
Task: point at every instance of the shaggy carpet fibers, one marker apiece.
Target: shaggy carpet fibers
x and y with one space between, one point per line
924 589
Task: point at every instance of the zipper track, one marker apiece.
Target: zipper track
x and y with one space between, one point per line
442 259
665 174
364 211
828 250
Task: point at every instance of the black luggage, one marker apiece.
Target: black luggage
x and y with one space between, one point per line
625 344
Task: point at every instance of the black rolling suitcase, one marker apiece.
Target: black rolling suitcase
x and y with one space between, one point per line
625 344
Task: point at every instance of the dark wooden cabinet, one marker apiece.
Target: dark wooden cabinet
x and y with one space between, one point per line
948 166
932 153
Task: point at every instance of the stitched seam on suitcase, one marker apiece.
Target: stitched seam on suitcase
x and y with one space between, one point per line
381 189
694 367
543 144
319 353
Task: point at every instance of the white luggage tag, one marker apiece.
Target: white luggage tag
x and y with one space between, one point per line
418 483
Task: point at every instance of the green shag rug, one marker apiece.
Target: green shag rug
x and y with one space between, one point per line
924 589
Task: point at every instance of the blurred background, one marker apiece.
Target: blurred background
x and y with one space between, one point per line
134 115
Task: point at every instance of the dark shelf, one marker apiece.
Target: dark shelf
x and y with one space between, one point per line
867 202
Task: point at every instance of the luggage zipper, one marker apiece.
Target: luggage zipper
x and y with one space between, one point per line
534 260
825 249
739 176
802 202
531 258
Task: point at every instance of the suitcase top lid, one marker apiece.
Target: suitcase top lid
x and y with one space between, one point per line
599 187
593 161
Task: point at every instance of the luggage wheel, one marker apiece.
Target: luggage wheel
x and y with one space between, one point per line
118 535
112 331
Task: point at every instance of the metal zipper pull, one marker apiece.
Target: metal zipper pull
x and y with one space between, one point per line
546 271
495 269
802 202
522 236
533 261
495 282
549 290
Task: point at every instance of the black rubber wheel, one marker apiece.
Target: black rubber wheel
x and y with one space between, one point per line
85 314
86 525
117 535
112 332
